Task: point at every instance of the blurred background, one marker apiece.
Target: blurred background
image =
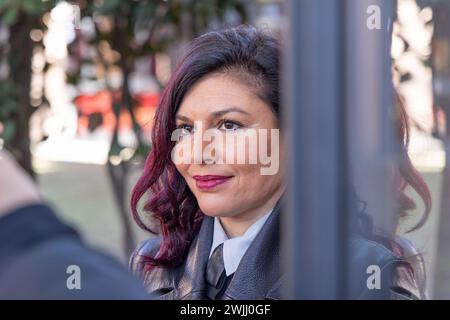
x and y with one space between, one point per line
80 81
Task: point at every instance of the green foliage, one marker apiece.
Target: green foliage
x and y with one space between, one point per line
10 10
20 17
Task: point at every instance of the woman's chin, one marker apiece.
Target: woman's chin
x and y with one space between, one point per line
215 209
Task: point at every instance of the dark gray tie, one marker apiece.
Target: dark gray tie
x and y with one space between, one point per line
215 274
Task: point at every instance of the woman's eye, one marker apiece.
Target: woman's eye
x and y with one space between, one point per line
185 129
229 125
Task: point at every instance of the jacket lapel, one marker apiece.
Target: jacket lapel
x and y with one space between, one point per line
192 282
258 275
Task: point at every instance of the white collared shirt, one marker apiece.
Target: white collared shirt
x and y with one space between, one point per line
235 248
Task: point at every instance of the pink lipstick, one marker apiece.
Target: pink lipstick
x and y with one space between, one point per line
210 181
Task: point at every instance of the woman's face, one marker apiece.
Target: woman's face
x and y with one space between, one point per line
228 177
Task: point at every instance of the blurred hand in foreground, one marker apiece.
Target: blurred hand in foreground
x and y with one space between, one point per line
17 189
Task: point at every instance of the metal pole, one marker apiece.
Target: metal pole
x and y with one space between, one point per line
313 97
369 106
338 97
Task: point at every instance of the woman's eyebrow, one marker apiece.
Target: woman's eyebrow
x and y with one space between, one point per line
219 113
215 114
183 118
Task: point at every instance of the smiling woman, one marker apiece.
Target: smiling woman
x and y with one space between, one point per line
223 189
215 216
219 218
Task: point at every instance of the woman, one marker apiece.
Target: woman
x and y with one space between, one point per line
219 219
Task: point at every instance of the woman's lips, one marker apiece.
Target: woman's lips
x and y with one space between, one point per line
210 181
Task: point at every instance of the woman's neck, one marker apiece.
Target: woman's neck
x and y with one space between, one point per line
236 226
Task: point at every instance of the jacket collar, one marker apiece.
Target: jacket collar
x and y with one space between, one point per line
192 283
259 271
258 275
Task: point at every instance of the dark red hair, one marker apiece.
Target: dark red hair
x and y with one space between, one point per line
253 56
243 52
407 174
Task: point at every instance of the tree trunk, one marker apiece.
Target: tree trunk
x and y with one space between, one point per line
20 72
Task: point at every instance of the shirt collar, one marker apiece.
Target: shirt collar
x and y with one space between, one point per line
235 248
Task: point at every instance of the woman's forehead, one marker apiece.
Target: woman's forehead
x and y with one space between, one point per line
216 94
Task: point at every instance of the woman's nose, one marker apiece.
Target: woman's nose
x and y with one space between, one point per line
213 147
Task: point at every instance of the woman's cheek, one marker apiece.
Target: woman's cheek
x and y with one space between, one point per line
181 154
183 170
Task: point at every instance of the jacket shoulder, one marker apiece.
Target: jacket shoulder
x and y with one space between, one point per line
147 248
363 251
399 276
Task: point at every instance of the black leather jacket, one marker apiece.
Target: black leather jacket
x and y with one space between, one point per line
259 276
